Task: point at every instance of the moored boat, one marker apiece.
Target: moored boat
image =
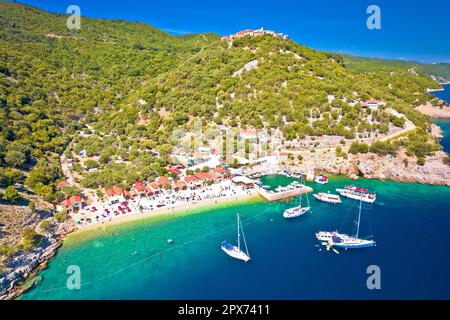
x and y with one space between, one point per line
344 241
235 251
356 193
297 211
321 179
328 198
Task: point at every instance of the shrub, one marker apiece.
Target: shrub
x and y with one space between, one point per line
421 161
61 216
30 239
357 147
12 195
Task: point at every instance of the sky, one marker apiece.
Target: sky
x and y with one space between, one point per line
410 30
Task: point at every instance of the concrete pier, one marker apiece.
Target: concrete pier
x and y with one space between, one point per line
272 196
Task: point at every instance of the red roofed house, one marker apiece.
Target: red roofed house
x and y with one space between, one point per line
154 186
215 176
163 182
249 133
373 104
141 190
221 171
117 194
73 204
174 170
192 182
180 185
62 184
203 176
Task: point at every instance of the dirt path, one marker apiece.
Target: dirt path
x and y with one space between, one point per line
409 126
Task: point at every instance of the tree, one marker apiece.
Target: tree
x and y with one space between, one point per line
15 158
30 239
358 148
12 195
61 216
91 164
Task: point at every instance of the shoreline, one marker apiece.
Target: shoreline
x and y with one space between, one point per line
438 90
166 213
88 232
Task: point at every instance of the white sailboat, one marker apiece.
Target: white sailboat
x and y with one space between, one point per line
343 241
297 211
235 251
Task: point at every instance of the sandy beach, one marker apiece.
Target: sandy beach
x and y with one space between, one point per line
177 210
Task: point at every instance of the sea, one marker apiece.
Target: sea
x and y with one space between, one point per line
409 222
444 124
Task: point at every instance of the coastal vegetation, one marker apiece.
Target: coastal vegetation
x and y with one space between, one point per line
440 71
114 91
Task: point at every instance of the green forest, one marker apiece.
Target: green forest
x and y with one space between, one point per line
118 89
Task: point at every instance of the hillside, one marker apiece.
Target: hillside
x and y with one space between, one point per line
117 90
441 71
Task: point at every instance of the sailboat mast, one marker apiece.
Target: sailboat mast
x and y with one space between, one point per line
239 234
245 242
359 219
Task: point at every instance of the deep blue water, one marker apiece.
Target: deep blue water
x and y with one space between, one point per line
444 95
444 124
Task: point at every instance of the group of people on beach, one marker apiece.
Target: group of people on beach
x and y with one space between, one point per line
102 212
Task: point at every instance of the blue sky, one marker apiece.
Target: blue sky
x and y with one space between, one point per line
411 30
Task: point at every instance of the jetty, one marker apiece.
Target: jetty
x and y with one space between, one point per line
284 193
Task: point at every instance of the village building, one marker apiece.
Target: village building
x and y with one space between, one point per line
63 184
253 33
243 181
179 185
192 182
164 182
140 189
117 195
248 133
222 171
73 204
373 105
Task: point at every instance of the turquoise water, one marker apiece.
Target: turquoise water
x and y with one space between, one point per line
410 223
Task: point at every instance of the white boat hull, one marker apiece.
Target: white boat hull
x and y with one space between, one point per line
343 241
327 198
369 197
296 212
236 253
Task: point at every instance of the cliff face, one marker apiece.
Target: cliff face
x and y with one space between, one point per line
400 168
